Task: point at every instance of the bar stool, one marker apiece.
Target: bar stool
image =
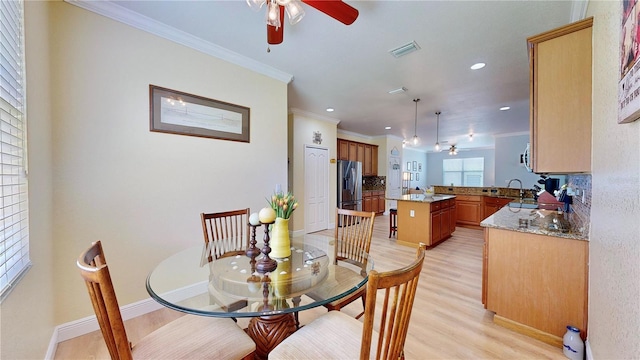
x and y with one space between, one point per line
393 227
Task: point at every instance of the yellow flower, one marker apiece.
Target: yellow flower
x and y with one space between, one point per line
283 204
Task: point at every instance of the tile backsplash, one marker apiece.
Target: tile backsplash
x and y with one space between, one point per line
374 183
581 211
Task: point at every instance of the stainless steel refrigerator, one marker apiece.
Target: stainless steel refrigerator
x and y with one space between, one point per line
349 185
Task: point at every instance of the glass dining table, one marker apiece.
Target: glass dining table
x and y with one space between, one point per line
194 282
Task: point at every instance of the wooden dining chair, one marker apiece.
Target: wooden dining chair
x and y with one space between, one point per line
227 233
336 335
353 242
188 337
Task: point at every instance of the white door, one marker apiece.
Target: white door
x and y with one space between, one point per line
395 180
316 188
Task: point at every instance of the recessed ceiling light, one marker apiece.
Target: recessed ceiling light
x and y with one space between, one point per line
504 108
330 109
477 66
387 127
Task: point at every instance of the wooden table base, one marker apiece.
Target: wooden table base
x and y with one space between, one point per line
269 331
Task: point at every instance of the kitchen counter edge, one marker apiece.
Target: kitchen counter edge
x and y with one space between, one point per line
423 199
505 219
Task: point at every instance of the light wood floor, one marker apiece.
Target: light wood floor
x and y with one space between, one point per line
448 319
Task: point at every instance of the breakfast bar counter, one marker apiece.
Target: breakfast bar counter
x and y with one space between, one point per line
425 219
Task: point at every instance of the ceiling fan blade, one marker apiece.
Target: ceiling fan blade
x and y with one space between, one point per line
336 9
275 35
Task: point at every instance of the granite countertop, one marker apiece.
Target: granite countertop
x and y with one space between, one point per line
542 222
423 198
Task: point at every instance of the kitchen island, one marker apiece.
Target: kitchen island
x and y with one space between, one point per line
535 272
426 219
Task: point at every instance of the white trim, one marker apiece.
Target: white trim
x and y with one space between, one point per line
298 112
131 18
588 353
579 9
345 132
511 134
89 324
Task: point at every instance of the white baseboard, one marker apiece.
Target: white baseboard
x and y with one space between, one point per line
89 324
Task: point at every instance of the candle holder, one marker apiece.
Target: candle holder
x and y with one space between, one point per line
253 251
266 264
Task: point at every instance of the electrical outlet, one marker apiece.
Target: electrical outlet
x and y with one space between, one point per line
412 213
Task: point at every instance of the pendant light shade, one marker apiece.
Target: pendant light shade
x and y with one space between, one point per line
437 147
416 140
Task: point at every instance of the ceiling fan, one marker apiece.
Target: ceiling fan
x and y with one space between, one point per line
337 9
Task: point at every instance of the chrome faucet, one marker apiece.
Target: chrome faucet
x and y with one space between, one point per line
521 191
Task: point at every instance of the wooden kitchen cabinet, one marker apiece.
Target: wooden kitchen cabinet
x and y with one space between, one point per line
560 63
491 205
430 223
360 156
343 149
536 284
367 154
382 203
373 200
469 210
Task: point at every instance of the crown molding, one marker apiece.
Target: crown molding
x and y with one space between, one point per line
307 114
133 19
511 134
346 132
579 9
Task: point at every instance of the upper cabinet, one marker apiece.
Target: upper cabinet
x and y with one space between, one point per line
367 154
560 99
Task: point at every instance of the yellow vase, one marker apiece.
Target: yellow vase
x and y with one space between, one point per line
281 279
280 243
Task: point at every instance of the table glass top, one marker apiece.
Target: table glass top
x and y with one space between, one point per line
191 282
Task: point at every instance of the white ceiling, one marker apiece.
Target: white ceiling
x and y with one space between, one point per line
350 69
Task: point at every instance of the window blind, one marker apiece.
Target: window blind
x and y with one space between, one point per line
14 215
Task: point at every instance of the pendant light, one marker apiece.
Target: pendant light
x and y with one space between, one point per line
437 130
416 140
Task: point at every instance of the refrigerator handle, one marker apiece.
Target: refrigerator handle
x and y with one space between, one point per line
355 181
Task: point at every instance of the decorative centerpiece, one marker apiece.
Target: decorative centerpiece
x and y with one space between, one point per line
283 205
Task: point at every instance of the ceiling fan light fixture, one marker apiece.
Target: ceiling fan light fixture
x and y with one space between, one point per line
453 150
295 12
273 14
256 5
404 49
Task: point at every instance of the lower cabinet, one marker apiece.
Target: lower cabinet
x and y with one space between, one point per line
491 205
469 210
373 200
536 284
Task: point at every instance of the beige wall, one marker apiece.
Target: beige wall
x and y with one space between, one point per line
614 247
97 172
302 128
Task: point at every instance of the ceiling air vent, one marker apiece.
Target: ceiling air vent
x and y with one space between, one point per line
404 49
